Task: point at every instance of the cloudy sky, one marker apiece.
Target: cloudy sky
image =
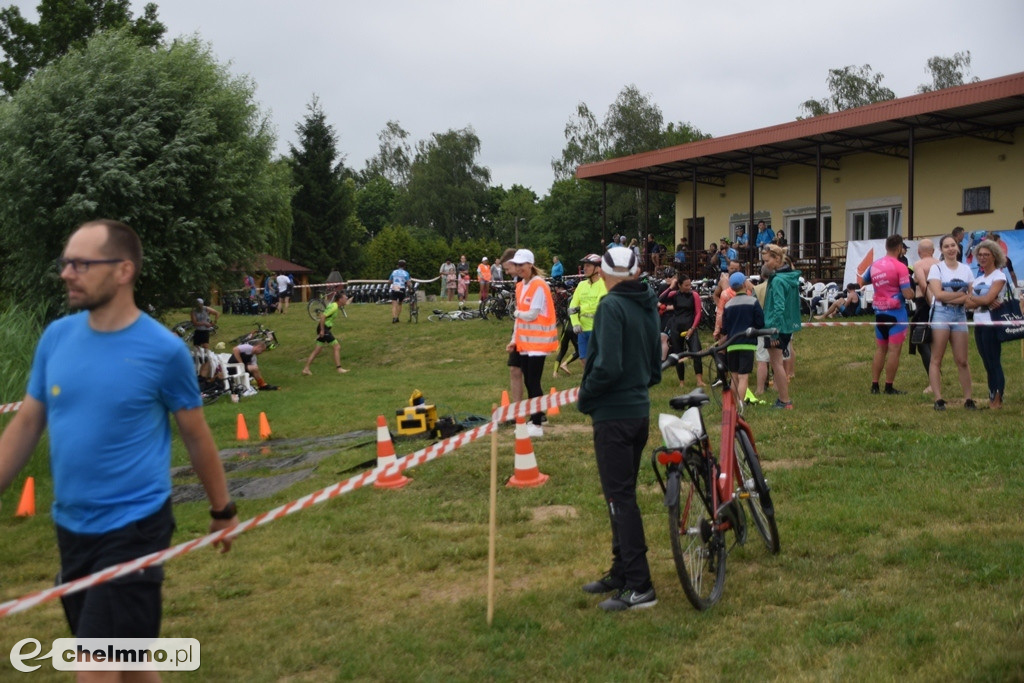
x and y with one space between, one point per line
515 71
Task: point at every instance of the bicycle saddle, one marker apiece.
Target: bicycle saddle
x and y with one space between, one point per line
695 398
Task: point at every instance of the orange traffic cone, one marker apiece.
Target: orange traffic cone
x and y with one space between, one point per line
504 399
386 457
526 473
241 431
27 505
554 409
264 427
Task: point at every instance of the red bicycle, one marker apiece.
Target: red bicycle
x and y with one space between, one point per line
705 495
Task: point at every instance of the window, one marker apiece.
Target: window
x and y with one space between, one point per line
874 224
805 240
977 200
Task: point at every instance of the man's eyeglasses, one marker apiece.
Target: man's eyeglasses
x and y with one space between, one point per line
81 265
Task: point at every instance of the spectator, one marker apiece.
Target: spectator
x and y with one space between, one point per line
781 311
448 278
398 280
202 323
891 281
990 292
949 284
284 291
742 311
958 235
463 286
765 235
680 322
110 454
557 269
680 256
625 362
923 301
535 333
846 306
483 274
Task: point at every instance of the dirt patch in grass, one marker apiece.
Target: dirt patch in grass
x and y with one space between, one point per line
543 514
789 464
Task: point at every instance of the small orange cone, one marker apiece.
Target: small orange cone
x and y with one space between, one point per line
264 427
27 505
526 473
554 409
504 399
241 431
386 457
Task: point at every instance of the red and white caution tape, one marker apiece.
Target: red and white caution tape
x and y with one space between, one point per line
419 457
866 323
10 407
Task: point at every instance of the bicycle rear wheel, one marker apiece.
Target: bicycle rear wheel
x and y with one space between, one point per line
698 546
316 308
755 489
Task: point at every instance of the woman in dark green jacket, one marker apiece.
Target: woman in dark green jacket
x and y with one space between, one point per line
782 311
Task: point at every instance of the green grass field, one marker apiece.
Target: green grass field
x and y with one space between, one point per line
902 534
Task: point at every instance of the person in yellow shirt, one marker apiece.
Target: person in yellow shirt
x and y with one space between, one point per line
584 301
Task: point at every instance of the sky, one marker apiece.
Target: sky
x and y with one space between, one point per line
516 71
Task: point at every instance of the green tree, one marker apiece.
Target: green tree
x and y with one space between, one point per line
376 201
164 139
849 87
569 218
327 233
948 72
513 224
447 188
63 25
393 160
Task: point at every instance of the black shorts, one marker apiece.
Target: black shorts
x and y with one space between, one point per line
200 337
128 607
326 338
514 359
397 296
739 362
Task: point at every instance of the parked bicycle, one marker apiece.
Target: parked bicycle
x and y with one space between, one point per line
499 302
458 314
705 495
412 300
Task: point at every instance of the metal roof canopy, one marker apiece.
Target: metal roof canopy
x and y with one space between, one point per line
988 110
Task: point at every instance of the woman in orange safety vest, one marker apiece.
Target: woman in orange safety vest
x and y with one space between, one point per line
536 332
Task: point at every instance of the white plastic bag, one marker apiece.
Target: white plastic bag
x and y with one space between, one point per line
680 431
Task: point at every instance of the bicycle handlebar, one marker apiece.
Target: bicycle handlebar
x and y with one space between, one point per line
674 358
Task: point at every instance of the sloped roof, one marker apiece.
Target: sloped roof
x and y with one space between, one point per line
266 262
989 110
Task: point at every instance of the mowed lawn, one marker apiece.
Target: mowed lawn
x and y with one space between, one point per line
902 532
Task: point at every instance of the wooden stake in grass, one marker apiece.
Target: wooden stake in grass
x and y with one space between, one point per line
492 522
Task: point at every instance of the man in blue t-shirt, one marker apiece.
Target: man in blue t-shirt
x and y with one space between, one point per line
103 382
398 279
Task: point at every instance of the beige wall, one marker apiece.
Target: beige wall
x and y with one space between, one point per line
942 171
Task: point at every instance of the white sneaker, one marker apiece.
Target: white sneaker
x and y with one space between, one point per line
534 431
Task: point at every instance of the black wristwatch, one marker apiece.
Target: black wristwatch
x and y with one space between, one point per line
229 511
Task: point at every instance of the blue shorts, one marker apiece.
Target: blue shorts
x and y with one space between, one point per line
952 318
582 339
891 326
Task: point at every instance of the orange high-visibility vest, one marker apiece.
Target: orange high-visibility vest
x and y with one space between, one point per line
540 335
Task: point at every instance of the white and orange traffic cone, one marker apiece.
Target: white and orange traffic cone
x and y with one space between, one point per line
526 473
554 409
386 457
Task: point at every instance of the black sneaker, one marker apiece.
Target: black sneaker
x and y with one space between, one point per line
874 389
268 387
894 392
627 598
969 404
941 405
606 584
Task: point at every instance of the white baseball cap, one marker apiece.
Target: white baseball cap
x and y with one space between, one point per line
522 256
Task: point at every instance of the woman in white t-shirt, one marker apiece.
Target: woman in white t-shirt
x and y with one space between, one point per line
989 293
949 283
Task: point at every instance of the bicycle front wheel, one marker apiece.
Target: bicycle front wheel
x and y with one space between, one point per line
754 487
698 546
316 308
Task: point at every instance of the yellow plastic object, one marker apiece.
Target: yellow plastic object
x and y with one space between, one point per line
414 420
